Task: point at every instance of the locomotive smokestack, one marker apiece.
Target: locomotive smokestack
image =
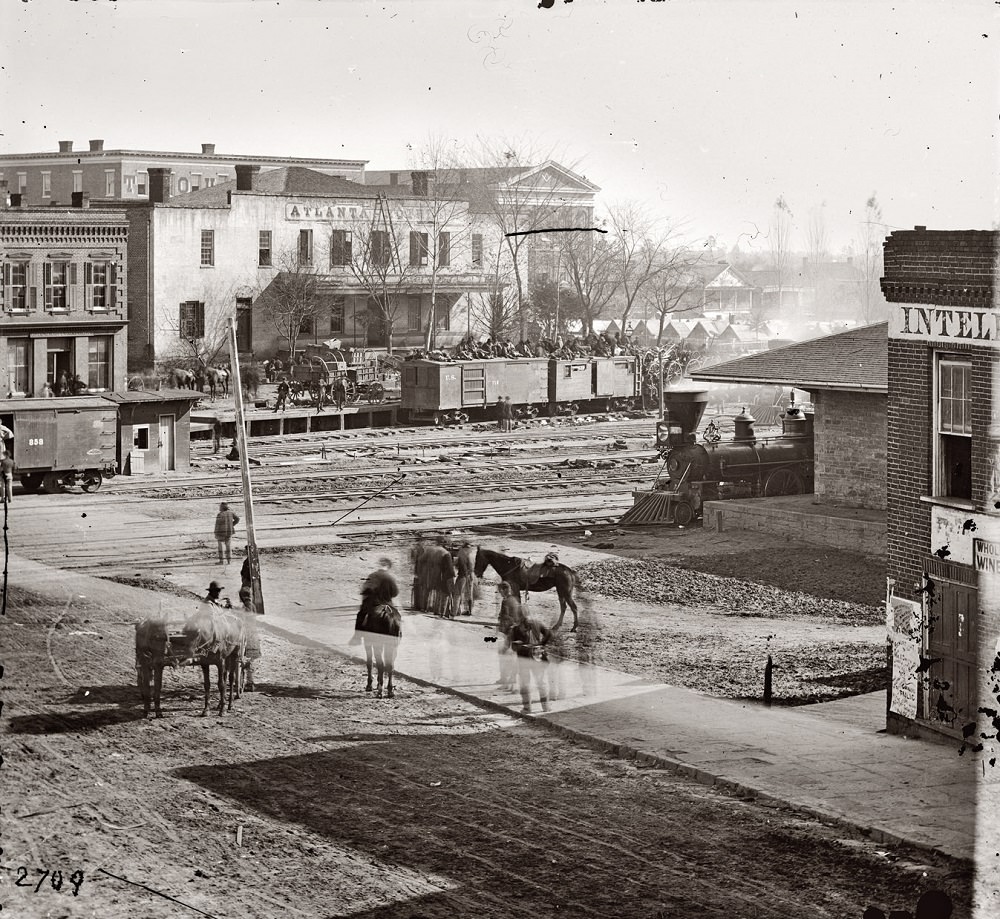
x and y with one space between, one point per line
744 422
684 409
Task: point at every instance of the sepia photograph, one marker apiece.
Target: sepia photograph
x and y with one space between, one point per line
483 459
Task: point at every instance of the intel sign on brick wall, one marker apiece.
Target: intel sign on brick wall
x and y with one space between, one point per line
944 324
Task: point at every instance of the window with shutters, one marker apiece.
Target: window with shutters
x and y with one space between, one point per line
207 248
953 425
56 280
99 285
264 248
142 183
337 306
444 249
414 321
418 249
340 248
129 185
15 283
46 184
109 183
305 248
381 251
99 362
477 250
192 320
195 181
19 364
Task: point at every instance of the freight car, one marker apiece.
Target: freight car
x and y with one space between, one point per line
63 441
746 466
460 390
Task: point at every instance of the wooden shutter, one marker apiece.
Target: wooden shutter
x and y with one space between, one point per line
414 249
199 320
72 285
111 298
47 283
8 301
348 254
88 285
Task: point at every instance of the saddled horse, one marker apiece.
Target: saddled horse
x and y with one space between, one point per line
534 578
381 628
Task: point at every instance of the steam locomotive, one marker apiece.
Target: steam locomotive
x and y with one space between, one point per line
745 467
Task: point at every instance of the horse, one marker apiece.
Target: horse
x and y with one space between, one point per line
213 636
218 381
179 378
381 628
152 649
522 578
437 577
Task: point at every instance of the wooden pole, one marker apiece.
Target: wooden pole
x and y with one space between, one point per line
660 385
241 443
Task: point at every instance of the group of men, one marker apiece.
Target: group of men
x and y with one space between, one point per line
505 414
591 345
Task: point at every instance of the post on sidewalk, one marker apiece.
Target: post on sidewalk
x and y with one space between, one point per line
241 440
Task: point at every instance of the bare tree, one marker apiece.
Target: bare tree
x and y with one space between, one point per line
871 236
779 245
496 310
200 328
817 244
441 223
377 266
670 290
591 267
291 300
640 243
518 204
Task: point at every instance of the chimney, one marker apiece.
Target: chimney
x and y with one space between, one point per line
419 180
81 199
96 146
245 175
65 146
208 149
159 184
15 199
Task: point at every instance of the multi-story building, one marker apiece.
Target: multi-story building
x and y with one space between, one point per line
110 175
372 260
65 286
943 491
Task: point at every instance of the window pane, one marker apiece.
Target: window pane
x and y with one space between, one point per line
99 362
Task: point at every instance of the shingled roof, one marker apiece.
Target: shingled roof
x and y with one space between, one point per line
854 360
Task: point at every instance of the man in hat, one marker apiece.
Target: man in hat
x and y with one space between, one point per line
225 522
213 597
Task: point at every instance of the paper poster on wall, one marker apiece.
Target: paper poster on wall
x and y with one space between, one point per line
903 626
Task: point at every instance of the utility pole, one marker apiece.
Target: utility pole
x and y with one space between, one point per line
660 384
241 444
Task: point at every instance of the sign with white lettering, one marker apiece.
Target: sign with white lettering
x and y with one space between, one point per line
986 555
944 324
322 210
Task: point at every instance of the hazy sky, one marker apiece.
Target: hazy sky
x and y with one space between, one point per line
705 110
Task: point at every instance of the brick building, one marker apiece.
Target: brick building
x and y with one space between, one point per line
65 286
943 479
50 177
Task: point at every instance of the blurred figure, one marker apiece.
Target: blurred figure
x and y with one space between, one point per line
380 587
225 524
252 652
528 638
510 615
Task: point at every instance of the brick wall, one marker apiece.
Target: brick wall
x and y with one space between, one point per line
850 438
139 348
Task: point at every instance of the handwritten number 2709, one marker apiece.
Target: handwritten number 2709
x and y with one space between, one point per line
54 878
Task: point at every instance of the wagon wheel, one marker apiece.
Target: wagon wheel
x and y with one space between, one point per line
92 480
784 481
376 392
351 389
683 513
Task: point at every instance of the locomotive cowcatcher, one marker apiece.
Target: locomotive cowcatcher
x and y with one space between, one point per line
747 466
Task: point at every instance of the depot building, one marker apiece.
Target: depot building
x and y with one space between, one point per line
372 260
943 481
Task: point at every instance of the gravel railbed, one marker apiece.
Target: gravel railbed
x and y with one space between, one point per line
659 582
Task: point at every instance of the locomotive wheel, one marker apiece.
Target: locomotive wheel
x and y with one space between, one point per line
783 482
31 482
92 480
683 513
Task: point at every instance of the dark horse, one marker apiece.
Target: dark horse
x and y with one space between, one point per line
535 578
381 630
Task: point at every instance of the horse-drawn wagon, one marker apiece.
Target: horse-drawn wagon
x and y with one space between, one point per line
358 370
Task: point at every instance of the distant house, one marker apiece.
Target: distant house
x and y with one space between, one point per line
726 292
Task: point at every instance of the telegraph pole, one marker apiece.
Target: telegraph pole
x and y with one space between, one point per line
241 444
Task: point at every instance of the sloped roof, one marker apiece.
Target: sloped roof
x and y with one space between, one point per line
288 180
854 360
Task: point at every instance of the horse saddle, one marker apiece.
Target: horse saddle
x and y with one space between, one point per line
530 574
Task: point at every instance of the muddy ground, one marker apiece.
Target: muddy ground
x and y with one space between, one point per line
420 806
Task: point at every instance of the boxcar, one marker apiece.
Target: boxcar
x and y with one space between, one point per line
437 390
62 441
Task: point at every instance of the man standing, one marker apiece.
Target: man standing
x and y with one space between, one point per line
225 524
217 435
282 395
500 413
508 414
7 471
5 435
528 638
